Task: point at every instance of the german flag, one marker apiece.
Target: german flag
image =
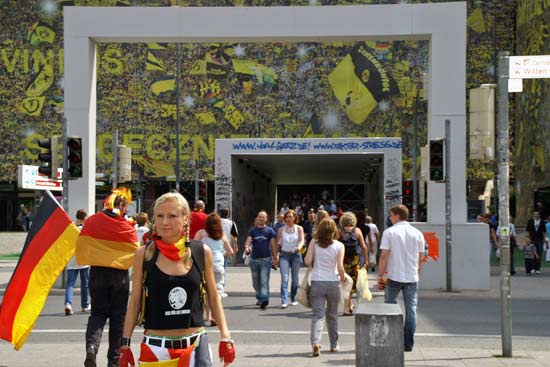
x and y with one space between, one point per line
48 248
107 241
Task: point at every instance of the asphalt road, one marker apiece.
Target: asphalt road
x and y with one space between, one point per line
468 323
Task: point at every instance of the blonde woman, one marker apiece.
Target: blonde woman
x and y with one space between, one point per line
326 257
174 323
321 214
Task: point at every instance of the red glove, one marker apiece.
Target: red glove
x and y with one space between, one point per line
126 358
226 351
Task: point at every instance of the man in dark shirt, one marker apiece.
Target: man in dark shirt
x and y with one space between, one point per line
537 229
308 226
260 243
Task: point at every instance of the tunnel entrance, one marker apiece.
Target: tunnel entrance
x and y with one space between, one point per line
255 174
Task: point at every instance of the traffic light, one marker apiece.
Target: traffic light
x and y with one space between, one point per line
50 157
124 163
437 160
408 192
74 157
202 190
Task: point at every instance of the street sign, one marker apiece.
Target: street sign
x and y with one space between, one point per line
29 178
529 67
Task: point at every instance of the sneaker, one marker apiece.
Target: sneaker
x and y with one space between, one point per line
408 349
263 305
87 308
68 310
334 349
316 350
224 295
284 306
528 274
533 271
537 271
294 303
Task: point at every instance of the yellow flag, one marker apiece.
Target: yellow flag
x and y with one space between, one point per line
248 86
205 118
153 168
41 82
476 21
32 106
154 63
233 116
156 46
198 68
163 86
209 88
243 66
352 94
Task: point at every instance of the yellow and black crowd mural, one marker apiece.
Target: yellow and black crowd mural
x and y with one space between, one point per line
239 90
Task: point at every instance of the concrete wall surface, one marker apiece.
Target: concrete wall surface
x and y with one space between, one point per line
470 258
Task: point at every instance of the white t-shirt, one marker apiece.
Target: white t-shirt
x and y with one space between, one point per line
140 231
228 225
324 262
373 232
404 243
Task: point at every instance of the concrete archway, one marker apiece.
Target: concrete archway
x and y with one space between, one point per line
442 24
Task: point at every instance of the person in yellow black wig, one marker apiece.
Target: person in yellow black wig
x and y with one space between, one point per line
107 243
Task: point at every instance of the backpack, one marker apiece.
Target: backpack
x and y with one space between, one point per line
197 257
351 242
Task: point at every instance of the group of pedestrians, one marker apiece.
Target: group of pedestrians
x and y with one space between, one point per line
178 274
336 251
537 240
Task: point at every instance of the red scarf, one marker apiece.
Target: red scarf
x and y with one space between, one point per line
172 251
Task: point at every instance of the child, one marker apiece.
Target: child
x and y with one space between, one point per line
529 254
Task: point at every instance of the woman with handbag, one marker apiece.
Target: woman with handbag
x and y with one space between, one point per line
176 277
326 257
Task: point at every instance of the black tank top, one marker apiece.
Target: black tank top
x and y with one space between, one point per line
173 301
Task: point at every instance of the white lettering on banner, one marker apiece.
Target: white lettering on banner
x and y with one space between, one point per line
529 67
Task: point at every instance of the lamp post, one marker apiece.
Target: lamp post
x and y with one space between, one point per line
177 117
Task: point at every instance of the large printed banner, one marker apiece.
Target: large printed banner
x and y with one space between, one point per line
239 90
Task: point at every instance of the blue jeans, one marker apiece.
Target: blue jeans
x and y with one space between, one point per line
289 261
71 279
260 269
410 298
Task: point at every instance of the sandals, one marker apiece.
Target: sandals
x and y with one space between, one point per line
316 350
350 313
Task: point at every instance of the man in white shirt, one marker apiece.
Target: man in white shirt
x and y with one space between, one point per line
400 261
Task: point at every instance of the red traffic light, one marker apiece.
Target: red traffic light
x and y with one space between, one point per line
74 143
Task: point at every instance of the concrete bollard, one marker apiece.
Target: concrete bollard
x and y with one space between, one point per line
379 335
